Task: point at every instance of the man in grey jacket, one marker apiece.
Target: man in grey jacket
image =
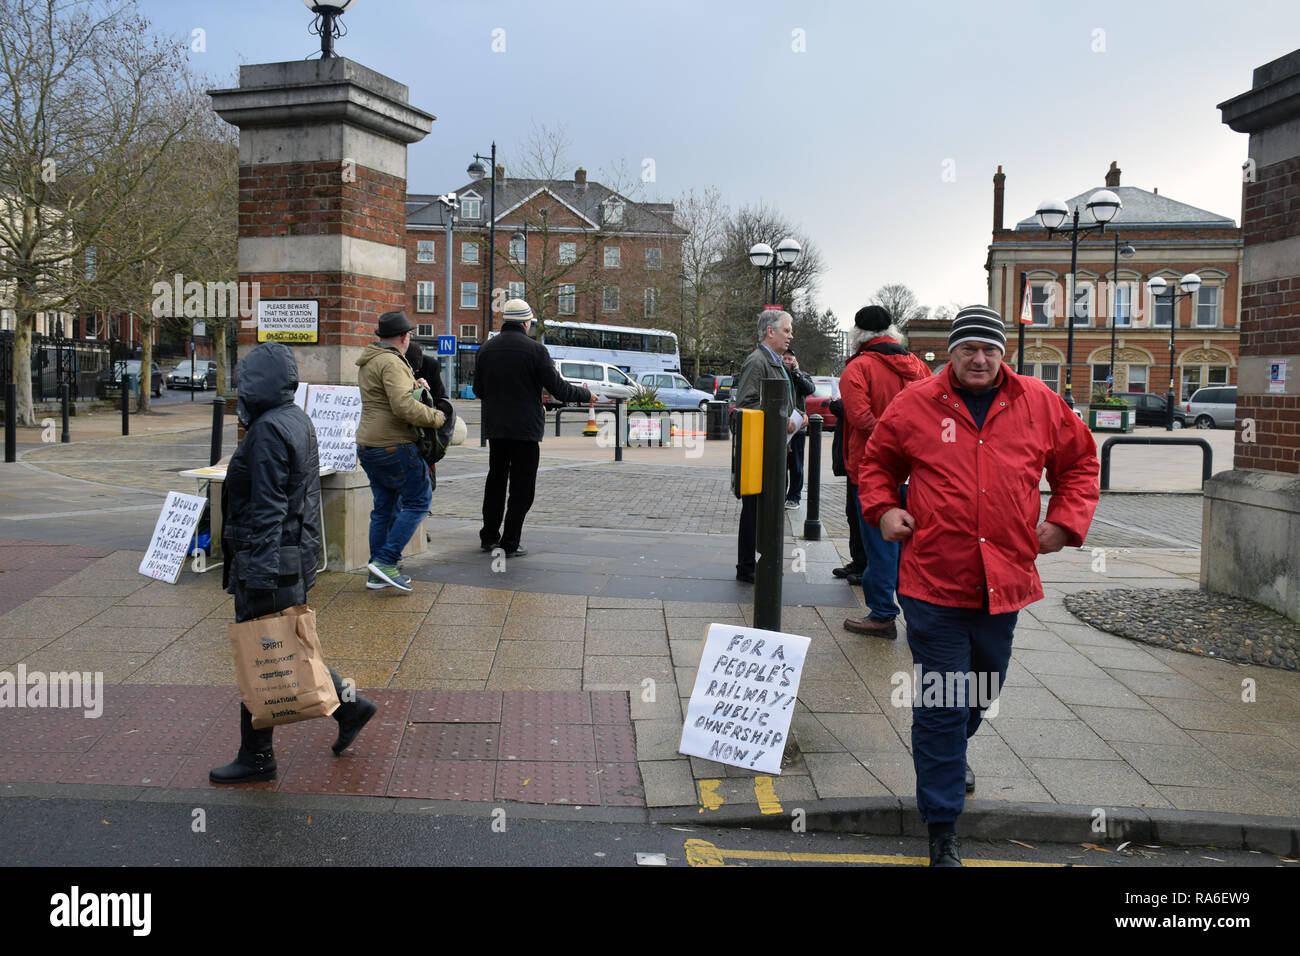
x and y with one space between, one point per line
775 332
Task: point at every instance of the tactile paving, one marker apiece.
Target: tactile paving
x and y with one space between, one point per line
615 744
568 743
49 731
610 707
379 738
154 735
546 707
311 773
444 779
193 774
172 702
620 785
456 706
35 768
451 742
393 704
532 782
129 768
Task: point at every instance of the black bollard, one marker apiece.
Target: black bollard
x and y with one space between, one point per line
126 399
618 429
64 391
11 422
812 524
218 409
770 571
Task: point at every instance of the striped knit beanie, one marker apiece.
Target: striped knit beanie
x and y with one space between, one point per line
977 323
517 310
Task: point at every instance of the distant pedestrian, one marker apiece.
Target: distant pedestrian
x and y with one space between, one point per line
775 331
972 442
878 369
271 536
803 386
399 478
511 371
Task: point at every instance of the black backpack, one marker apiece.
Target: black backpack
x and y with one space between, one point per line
433 442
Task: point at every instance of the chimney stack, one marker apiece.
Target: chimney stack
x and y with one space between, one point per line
580 178
1112 175
501 175
999 182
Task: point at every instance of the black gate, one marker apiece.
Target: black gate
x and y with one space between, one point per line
56 360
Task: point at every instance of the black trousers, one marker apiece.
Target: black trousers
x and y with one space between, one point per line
857 554
747 539
511 463
258 741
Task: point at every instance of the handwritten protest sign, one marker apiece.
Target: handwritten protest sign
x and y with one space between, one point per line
744 695
171 536
335 411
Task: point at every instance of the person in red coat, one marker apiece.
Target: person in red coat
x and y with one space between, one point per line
878 370
972 443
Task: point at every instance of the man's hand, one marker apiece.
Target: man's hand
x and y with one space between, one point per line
789 427
420 381
1051 538
896 525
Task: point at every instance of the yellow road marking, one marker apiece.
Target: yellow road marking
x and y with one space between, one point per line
710 799
766 793
703 853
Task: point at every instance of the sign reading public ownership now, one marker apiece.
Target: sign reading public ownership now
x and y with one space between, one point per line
335 413
172 535
287 320
744 695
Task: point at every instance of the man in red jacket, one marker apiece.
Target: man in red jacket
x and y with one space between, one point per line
878 370
973 443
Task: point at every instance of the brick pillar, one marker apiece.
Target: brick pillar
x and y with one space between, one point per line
322 217
322 198
1251 544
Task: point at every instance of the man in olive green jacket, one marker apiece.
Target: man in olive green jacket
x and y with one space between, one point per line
399 478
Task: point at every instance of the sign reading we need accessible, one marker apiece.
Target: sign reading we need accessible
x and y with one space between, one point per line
745 689
335 412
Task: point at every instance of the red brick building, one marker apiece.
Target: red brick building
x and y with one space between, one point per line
590 255
1169 239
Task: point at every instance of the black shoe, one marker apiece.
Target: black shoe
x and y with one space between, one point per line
945 851
846 571
348 729
970 778
484 546
518 552
746 577
854 579
246 768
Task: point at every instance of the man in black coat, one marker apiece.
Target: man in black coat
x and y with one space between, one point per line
512 370
270 504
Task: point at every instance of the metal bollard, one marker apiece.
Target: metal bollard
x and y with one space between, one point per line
126 400
218 408
770 519
64 391
11 422
618 429
812 525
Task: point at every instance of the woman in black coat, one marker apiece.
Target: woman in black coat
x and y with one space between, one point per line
270 503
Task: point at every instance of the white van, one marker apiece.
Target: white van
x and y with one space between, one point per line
598 377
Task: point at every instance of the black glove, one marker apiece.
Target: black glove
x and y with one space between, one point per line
260 602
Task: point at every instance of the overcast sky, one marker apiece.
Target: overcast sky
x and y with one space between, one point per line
875 127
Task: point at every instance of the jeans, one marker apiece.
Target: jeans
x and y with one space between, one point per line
958 641
399 481
794 466
880 577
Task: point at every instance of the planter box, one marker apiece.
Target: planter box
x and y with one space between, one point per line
1111 418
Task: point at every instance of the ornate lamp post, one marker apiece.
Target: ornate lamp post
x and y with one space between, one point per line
476 170
786 255
1102 206
1189 284
328 23
1128 252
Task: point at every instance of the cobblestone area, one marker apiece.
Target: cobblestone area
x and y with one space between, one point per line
1193 621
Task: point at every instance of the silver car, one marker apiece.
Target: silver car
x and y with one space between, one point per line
1214 406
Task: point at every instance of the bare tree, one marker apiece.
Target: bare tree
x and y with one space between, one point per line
81 83
704 217
900 302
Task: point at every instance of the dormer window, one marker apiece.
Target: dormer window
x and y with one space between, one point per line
471 206
613 212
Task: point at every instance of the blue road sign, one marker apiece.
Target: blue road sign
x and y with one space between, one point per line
446 345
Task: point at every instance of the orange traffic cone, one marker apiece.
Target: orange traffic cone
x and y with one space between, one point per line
591 428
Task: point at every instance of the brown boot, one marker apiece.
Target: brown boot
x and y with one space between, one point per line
865 625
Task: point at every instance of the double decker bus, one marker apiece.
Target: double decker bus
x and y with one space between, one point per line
630 349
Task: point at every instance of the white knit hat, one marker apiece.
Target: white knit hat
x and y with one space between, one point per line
517 310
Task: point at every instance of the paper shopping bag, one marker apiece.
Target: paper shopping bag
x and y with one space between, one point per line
278 666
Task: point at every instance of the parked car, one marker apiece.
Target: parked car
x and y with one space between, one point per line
1214 406
598 377
1151 409
110 379
719 386
828 389
675 391
200 374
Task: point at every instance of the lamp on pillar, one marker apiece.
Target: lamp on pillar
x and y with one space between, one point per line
786 255
1102 206
328 23
1189 284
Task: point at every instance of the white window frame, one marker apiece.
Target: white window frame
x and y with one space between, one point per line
1039 307
1146 377
425 330
1217 308
518 250
423 254
651 300
613 257
654 258
469 333
606 298
613 214
469 295
426 296
1122 310
515 290
469 253
471 206
567 299
1085 291
568 253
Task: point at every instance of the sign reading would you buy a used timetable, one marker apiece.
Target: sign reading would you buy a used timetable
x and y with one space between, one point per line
172 535
744 695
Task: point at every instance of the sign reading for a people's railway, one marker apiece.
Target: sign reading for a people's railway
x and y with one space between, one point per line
744 695
287 320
